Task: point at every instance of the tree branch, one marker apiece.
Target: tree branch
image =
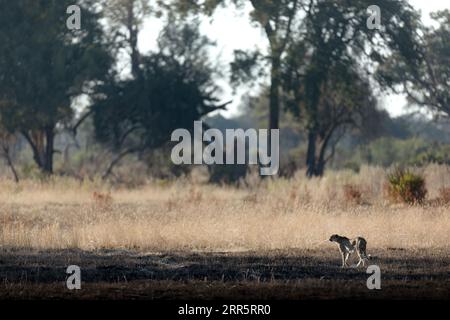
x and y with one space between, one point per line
118 159
9 161
80 121
209 109
36 154
289 26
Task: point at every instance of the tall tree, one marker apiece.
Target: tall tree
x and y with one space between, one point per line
345 103
333 29
176 87
277 19
125 20
336 33
43 66
7 142
427 83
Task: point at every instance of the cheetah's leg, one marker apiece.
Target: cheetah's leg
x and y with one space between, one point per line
346 258
359 262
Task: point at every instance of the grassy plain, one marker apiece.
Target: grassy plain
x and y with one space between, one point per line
186 239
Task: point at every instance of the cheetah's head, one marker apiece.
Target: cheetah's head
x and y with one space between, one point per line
334 237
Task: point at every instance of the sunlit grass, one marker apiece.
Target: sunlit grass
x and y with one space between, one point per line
272 214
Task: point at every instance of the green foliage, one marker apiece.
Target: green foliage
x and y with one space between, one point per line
406 186
228 174
389 151
314 52
43 66
352 165
426 82
174 88
246 67
322 75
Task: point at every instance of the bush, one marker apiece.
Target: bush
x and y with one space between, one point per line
352 194
444 195
227 174
407 187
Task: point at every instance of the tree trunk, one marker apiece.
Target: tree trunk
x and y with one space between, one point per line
117 159
49 150
320 166
133 40
135 55
42 145
10 164
311 154
274 99
312 89
274 108
316 165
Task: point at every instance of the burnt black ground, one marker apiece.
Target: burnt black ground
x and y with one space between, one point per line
280 274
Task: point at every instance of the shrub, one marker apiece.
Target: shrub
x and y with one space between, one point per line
229 174
444 195
352 194
102 200
407 187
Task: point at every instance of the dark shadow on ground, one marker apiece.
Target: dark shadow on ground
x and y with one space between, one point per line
291 269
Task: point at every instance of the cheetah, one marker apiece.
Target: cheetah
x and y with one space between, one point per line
348 246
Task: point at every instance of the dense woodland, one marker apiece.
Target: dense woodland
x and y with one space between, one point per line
87 103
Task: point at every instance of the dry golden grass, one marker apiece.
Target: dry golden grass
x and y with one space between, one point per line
272 214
